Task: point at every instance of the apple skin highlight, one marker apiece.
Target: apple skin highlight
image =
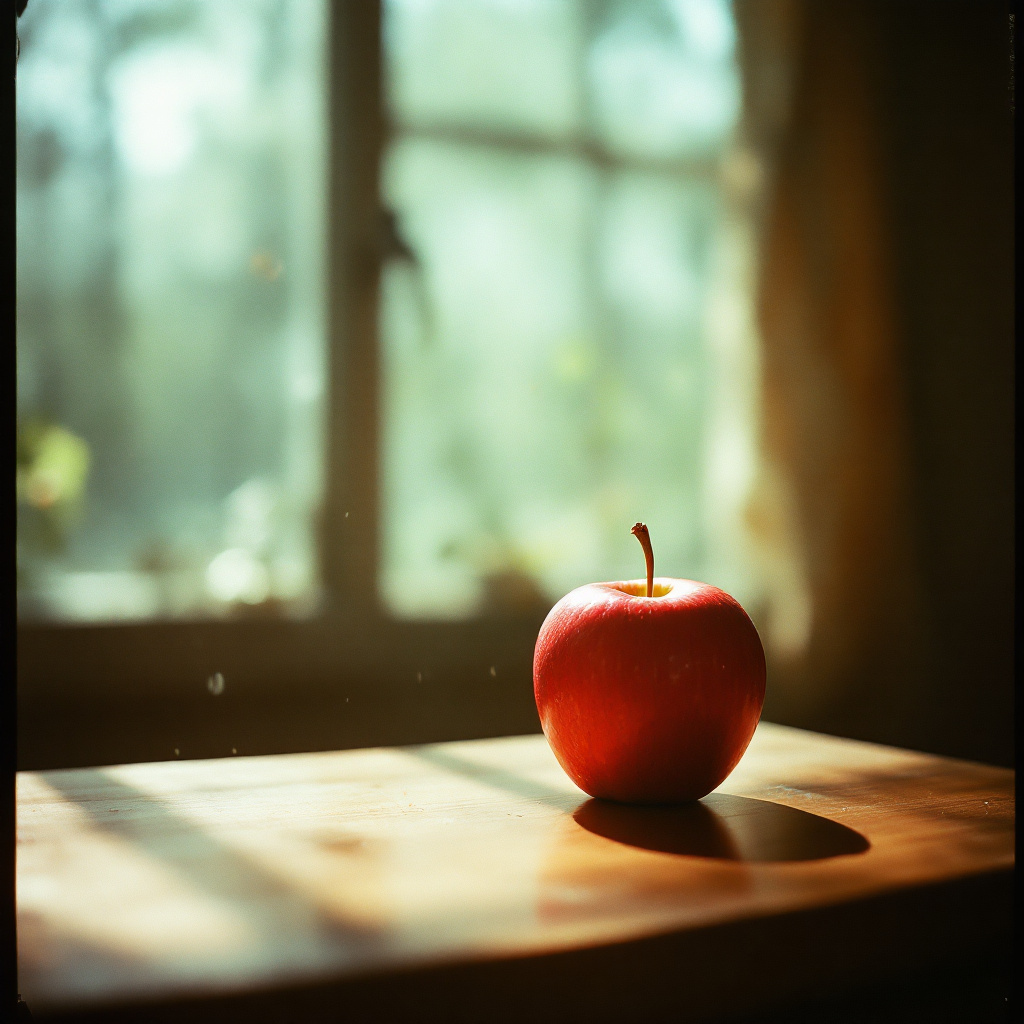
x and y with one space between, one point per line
648 699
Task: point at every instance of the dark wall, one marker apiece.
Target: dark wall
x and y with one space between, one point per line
946 104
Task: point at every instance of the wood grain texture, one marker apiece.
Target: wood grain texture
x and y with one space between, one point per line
473 880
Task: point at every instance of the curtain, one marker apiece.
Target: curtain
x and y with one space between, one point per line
833 486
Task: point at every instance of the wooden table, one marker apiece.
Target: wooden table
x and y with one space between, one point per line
474 881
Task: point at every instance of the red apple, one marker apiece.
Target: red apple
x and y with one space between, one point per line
648 694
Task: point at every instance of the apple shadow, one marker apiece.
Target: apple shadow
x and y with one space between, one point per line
724 827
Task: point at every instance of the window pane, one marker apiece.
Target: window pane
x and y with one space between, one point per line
472 400
567 349
485 64
663 78
170 306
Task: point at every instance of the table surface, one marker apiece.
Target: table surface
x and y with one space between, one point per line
149 883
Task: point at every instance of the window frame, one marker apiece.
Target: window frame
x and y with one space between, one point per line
350 675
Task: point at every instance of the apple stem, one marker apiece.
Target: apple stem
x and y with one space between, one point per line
643 535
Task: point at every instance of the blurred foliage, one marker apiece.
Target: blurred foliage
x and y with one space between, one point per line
52 470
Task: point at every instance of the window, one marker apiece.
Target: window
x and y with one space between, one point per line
351 337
